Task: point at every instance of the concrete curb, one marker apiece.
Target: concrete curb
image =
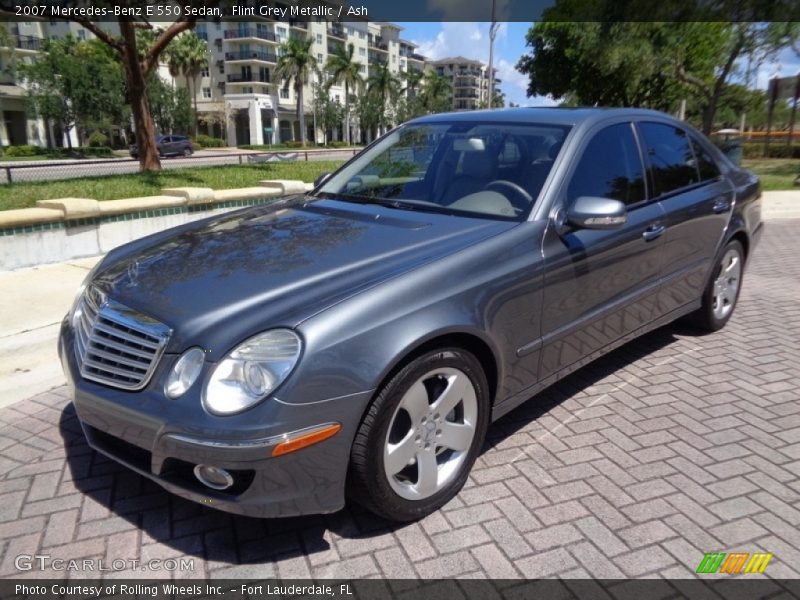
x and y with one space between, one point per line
66 209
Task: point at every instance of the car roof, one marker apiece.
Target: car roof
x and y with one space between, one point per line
543 115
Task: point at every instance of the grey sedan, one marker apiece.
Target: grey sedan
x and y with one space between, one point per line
358 340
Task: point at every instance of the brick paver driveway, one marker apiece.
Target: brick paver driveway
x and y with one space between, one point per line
673 446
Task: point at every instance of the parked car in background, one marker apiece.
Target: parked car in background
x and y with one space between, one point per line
359 339
169 145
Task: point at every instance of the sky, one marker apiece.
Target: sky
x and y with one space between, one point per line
471 40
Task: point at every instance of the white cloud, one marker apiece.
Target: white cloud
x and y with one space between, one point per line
471 40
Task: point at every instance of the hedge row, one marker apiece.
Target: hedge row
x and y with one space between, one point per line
207 141
776 149
30 150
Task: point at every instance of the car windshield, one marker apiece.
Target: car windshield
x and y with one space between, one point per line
477 169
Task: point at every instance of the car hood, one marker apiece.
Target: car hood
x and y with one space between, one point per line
219 280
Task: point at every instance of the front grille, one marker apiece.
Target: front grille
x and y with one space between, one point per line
114 344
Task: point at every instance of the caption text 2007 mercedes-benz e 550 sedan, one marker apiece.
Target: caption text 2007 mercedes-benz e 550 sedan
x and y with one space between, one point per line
356 341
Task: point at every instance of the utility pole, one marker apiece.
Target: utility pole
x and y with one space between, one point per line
492 34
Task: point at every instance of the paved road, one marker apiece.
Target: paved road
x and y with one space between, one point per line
670 447
53 170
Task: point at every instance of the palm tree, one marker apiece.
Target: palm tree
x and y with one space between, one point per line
436 90
344 70
413 78
297 62
384 85
193 53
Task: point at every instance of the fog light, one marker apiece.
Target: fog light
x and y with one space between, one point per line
213 477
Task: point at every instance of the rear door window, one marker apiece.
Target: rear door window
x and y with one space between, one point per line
610 167
706 166
672 161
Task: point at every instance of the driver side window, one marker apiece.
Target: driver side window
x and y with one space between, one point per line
610 168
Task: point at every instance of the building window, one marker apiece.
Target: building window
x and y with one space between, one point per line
319 58
81 34
285 93
248 90
362 68
281 32
207 93
319 38
362 51
222 69
362 35
204 72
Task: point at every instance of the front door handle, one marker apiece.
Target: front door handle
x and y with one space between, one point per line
653 232
721 205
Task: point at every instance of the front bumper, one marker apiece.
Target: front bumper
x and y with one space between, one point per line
164 439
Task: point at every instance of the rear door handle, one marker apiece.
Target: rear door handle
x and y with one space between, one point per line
653 232
721 205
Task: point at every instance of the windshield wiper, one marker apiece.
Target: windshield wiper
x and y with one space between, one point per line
421 205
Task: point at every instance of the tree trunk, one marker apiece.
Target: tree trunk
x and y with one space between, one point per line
346 114
194 100
301 115
137 90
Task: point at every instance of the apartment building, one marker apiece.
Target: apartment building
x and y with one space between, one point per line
469 81
239 97
239 94
23 42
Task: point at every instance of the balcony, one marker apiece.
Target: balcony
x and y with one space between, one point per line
466 82
378 44
252 78
299 25
415 56
374 59
460 94
337 32
252 55
27 42
261 34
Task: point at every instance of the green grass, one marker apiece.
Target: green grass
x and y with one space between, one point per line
775 173
25 195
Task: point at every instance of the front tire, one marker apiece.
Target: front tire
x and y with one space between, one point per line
420 436
722 290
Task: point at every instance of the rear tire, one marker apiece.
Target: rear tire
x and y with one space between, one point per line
420 436
722 290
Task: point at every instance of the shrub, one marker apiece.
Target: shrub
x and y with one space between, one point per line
292 144
97 152
777 149
207 141
97 139
25 150
337 144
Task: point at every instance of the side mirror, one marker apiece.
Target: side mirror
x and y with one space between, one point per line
321 179
588 212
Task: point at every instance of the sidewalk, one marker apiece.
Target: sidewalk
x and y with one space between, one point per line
31 308
36 299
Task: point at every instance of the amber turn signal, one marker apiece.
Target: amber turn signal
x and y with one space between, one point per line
306 439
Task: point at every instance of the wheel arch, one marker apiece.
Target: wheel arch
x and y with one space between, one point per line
483 349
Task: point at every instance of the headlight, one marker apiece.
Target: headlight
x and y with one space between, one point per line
251 371
184 372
